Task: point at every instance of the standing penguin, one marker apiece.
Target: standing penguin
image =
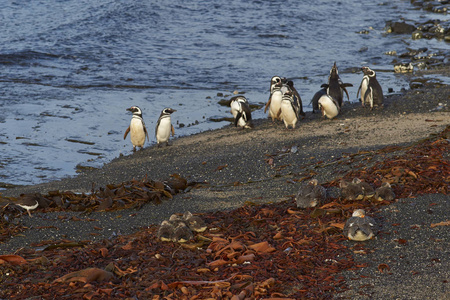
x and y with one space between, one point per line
288 111
328 106
137 129
297 100
274 103
336 87
371 91
317 96
241 112
164 127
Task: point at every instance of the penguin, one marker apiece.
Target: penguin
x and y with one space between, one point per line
336 87
384 192
165 231
351 190
182 233
371 91
310 195
359 227
137 128
28 202
241 112
274 103
195 223
288 111
329 106
164 127
316 97
297 100
367 189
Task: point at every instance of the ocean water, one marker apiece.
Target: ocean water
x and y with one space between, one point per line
69 69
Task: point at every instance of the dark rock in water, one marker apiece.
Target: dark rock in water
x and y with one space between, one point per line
224 102
415 85
400 27
417 35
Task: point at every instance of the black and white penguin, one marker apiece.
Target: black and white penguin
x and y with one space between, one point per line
288 111
371 91
336 87
241 112
316 97
359 227
297 100
137 129
274 103
164 126
328 106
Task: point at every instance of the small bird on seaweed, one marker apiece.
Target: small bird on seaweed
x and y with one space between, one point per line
384 192
28 202
311 194
368 190
137 128
241 112
351 190
195 223
359 227
164 126
166 231
182 233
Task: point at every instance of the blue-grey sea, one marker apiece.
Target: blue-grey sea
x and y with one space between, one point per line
69 69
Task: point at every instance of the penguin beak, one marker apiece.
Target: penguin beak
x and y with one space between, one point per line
130 109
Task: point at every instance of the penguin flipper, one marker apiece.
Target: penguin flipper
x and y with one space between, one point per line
357 93
173 130
367 94
345 90
126 132
268 104
236 120
325 85
279 113
146 133
246 112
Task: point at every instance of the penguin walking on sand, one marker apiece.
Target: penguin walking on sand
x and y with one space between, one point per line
371 91
274 103
359 227
164 127
288 110
335 86
137 128
241 112
328 106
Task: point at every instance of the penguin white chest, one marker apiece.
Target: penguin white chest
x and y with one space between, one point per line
137 132
235 109
328 107
163 130
288 114
275 104
364 87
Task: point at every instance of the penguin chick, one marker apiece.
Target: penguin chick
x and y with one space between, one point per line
288 111
274 103
351 190
311 194
373 95
241 112
28 202
195 223
164 127
329 107
384 192
166 231
182 233
368 190
359 227
137 128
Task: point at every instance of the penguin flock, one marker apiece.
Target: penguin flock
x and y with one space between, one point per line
358 227
284 104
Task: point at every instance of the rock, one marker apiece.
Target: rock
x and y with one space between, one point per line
400 27
417 35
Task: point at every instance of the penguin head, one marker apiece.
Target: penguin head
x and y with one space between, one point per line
369 72
168 111
275 81
334 72
240 99
135 110
359 213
